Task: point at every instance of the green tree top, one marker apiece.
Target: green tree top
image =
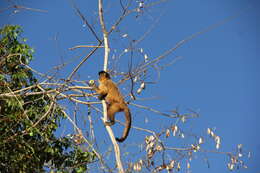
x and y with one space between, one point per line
28 122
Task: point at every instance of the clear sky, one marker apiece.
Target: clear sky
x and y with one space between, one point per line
217 74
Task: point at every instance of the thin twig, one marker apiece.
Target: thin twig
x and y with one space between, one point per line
85 139
100 43
28 8
23 7
180 43
89 46
52 106
87 23
155 111
84 59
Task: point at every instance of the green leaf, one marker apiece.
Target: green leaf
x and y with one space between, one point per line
31 133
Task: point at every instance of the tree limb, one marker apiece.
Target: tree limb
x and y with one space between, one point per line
107 50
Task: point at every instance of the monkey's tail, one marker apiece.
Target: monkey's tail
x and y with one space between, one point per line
127 125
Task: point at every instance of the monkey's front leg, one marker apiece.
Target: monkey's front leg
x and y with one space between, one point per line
101 93
102 96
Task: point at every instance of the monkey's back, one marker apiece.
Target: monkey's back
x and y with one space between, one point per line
114 94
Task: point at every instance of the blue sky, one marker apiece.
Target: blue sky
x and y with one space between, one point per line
217 74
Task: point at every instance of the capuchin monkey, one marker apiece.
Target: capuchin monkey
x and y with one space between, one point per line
108 90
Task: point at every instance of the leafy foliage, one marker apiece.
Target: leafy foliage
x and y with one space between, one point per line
28 122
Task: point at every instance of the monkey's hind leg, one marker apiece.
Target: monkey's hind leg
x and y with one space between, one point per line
111 111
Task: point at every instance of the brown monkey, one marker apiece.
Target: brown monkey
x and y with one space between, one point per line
108 90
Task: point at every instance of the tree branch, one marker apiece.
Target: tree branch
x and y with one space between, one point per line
107 50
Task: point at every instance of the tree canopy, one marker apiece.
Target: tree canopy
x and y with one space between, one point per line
28 122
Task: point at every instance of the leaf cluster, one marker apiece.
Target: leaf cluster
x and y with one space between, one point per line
28 122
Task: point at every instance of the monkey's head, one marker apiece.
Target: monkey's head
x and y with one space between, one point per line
103 75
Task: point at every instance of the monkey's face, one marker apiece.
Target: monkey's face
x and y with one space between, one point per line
103 75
